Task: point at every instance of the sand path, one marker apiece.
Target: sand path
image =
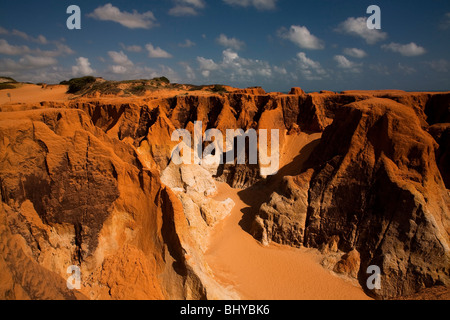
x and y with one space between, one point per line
273 272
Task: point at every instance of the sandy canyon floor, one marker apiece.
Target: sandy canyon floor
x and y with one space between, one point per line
260 272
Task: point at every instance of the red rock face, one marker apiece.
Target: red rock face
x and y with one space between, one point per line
373 181
80 185
72 196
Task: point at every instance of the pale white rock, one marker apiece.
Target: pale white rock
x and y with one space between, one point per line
190 178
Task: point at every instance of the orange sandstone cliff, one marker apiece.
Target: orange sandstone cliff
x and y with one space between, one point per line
88 181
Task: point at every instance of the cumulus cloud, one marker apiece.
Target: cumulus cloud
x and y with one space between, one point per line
179 11
37 62
122 63
346 64
302 37
13 50
187 44
235 68
61 49
157 52
33 69
27 62
258 4
39 39
186 7
355 53
231 43
8 49
134 20
189 71
120 58
206 66
82 68
358 27
280 70
308 68
132 48
407 50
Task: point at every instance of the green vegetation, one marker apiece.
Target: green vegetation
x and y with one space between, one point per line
90 85
106 87
7 80
196 88
162 79
138 90
77 85
7 86
7 83
219 89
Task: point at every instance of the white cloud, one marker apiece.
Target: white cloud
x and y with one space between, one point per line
122 63
119 69
12 50
302 37
234 68
355 52
132 48
40 39
358 27
207 64
310 69
157 52
194 3
187 44
61 49
27 63
190 73
231 43
179 11
37 62
82 68
186 7
120 58
280 70
407 50
344 63
133 20
6 48
258 4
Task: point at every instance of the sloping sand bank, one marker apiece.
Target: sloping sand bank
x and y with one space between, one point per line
275 272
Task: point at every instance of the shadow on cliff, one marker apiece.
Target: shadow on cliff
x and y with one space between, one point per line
260 192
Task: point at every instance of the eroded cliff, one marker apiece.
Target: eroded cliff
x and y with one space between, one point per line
80 185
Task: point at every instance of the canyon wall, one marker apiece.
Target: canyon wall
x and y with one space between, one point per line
80 185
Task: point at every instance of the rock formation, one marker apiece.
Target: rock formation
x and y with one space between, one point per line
89 182
372 182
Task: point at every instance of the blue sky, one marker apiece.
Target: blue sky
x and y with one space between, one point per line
276 44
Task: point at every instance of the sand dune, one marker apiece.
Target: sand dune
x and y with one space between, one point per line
31 93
